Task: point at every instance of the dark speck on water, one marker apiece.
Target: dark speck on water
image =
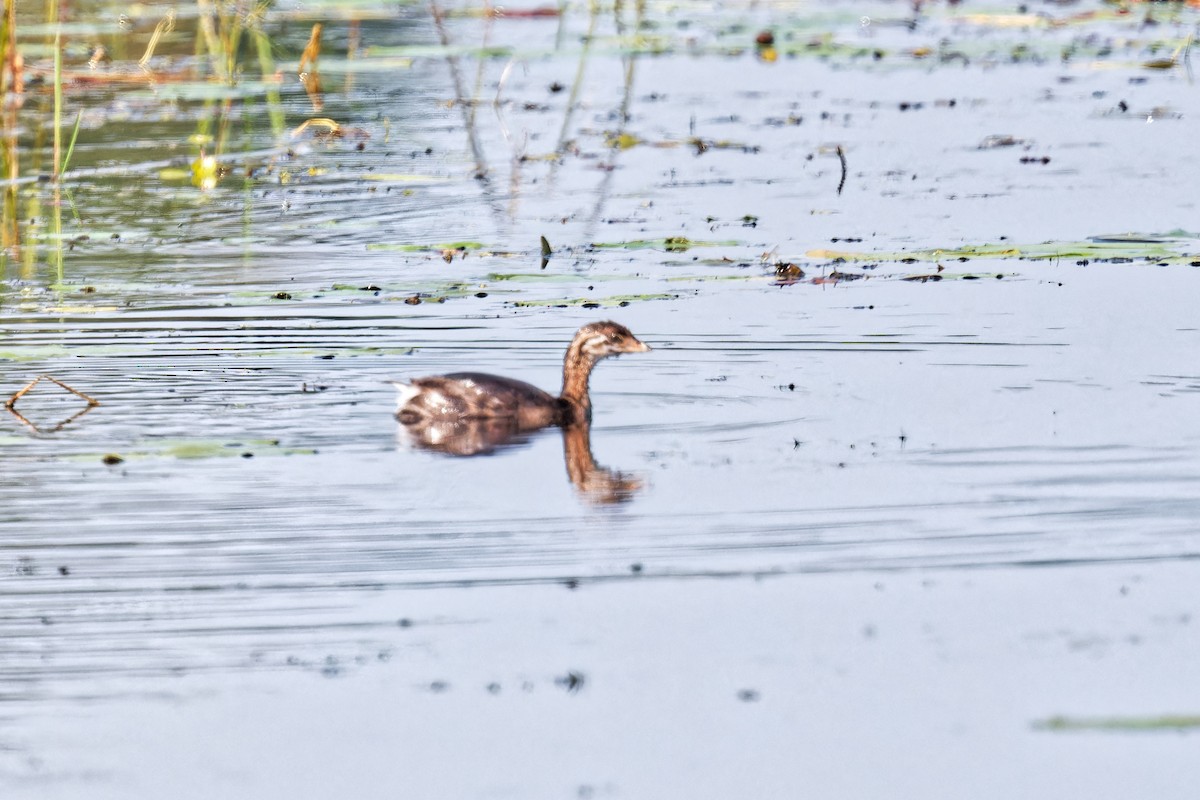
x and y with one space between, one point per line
573 681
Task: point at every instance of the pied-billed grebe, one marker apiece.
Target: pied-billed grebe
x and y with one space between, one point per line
475 395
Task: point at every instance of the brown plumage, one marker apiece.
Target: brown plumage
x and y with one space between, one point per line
475 395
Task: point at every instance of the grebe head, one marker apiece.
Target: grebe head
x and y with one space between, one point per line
602 339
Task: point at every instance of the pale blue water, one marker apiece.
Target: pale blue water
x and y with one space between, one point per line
269 523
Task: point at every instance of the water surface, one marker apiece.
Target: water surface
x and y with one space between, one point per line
269 532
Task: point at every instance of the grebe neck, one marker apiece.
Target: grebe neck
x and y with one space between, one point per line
577 369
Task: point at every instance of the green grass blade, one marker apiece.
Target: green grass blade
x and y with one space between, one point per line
71 144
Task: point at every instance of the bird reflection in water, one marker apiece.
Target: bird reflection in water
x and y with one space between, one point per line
472 413
472 437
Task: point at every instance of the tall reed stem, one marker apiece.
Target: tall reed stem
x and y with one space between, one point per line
57 99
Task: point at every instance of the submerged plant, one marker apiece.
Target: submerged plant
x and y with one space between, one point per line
222 26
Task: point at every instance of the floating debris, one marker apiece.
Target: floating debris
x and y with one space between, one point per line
573 681
1000 140
12 401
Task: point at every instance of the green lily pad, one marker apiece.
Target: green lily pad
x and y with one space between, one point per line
594 302
1166 722
195 449
671 244
426 248
543 277
1092 250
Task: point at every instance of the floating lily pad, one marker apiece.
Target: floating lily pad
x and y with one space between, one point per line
34 353
427 248
595 302
671 244
1167 722
401 177
543 277
1096 249
202 448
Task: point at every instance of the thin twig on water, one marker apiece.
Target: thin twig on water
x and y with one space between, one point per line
841 154
12 401
91 401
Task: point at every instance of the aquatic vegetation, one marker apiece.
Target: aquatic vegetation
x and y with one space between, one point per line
211 69
432 248
674 244
1101 248
194 449
220 64
1150 724
613 301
